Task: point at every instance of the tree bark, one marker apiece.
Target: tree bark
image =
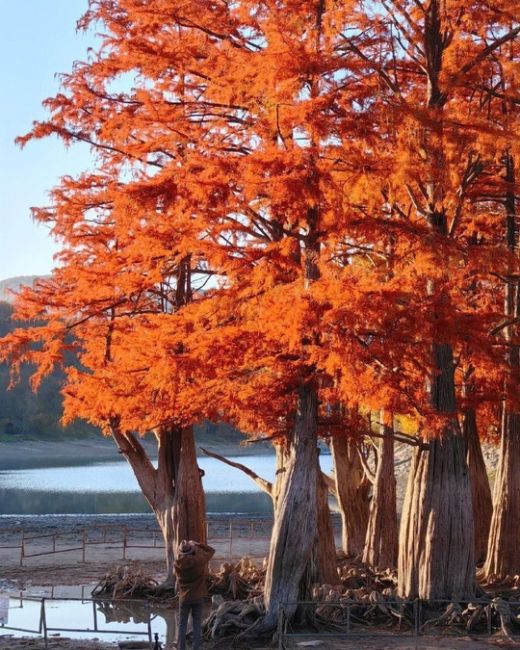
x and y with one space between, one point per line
503 558
380 550
352 493
436 544
292 554
189 504
326 552
326 548
173 490
480 489
502 555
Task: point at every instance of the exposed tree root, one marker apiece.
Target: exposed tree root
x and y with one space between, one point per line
232 617
364 598
238 581
126 581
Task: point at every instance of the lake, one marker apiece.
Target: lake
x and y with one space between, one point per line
106 488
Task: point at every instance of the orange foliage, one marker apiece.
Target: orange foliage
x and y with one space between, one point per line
260 213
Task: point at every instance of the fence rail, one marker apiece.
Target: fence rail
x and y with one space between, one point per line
404 618
125 538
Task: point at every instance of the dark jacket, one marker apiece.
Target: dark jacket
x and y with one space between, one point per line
191 570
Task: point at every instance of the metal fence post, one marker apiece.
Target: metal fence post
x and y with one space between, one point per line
22 548
43 623
125 532
230 539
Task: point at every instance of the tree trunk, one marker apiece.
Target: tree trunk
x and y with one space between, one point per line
173 490
380 550
295 528
436 544
480 490
502 556
352 492
189 509
326 552
326 549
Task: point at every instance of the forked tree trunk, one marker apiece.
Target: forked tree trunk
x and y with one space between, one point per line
380 550
480 489
352 493
436 544
295 529
173 490
325 547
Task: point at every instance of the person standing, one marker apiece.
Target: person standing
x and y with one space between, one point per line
191 569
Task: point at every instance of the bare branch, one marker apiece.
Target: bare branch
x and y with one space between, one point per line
263 484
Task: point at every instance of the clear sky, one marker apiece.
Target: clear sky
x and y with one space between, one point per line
37 39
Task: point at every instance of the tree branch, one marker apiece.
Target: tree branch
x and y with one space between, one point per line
263 484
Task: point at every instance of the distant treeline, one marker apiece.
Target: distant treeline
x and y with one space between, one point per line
24 413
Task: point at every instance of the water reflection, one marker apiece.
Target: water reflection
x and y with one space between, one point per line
38 502
125 612
78 619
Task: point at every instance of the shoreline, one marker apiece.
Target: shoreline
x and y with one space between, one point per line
28 454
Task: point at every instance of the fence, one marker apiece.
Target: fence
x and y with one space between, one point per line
43 629
243 537
386 618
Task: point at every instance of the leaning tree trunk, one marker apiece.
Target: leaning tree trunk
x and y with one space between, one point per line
380 550
436 544
167 489
325 547
480 489
352 492
502 557
295 528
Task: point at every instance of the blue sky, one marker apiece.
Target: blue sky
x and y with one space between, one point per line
37 39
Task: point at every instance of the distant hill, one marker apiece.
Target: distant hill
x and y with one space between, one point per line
14 284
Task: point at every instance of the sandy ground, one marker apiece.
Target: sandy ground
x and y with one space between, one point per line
65 574
104 546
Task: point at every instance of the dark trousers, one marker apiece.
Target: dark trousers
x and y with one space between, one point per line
196 617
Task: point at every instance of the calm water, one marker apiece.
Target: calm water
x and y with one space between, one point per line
112 488
113 621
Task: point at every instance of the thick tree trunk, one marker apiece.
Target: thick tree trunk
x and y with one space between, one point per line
189 505
326 549
480 489
173 490
352 492
380 550
436 544
295 529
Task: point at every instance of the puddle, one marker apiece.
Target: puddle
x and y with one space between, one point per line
106 620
